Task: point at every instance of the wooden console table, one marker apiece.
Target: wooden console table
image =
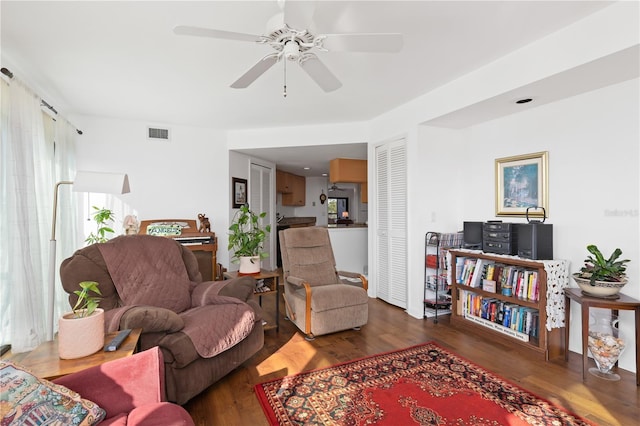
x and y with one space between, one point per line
45 362
622 303
271 280
205 251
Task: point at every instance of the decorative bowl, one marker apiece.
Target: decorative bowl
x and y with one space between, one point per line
607 289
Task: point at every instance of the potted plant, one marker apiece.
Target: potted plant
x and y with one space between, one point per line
246 238
103 218
81 331
602 277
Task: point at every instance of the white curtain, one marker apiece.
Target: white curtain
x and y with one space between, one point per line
67 235
27 181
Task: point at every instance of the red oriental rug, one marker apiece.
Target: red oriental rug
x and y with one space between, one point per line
421 385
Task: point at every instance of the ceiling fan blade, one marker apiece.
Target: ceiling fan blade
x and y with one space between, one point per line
299 14
362 42
207 32
319 72
256 71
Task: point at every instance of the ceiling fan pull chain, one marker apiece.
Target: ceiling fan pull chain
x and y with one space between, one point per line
285 78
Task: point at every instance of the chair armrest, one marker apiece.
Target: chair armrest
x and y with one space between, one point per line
241 288
353 278
151 319
299 282
120 386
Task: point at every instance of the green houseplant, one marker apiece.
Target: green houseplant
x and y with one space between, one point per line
246 238
81 331
86 304
104 218
602 276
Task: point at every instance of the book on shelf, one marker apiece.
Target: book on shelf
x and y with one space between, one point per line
431 261
518 318
497 327
489 285
467 272
474 281
460 261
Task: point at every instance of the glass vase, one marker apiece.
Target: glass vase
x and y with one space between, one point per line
606 343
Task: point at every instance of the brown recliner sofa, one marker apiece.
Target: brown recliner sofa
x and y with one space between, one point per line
204 329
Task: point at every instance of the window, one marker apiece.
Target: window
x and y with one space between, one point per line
335 207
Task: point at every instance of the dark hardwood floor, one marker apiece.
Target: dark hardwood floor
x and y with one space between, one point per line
231 401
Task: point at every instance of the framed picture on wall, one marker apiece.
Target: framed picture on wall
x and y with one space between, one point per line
239 191
522 183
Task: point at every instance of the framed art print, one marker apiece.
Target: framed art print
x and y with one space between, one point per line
521 183
239 191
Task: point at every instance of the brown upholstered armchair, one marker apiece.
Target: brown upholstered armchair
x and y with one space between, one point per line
204 329
319 299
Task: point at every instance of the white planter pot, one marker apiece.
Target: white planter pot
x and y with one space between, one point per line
249 264
601 288
80 337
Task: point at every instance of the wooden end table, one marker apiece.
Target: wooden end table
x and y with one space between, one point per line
45 362
624 303
271 280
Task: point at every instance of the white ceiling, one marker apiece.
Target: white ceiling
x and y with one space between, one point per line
122 59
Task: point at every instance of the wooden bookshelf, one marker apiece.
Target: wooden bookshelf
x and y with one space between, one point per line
544 343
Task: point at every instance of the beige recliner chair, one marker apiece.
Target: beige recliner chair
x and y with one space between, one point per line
319 299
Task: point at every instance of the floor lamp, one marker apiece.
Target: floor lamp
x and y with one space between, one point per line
110 183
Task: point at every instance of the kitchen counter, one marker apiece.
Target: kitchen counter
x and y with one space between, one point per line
350 247
297 221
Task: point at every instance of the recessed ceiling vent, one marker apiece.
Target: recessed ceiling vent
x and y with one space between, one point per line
156 133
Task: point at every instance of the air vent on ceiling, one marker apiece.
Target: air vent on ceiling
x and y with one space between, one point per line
157 133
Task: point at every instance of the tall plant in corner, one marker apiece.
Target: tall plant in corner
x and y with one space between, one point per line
246 238
104 219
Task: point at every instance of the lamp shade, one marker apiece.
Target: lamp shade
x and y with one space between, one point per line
110 183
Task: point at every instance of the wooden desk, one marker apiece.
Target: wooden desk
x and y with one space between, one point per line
45 362
271 280
625 303
206 253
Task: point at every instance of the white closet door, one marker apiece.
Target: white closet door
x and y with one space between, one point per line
391 223
260 201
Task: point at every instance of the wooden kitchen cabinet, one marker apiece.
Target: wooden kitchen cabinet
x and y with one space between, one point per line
284 182
364 192
298 194
347 170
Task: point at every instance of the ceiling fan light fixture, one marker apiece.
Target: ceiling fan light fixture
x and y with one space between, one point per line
291 50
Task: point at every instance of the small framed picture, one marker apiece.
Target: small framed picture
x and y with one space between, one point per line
239 191
522 183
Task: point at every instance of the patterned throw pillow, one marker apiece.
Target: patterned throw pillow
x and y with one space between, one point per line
28 400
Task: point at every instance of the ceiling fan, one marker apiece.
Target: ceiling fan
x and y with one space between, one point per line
287 36
335 187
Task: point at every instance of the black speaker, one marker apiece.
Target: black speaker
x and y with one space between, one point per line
472 235
535 240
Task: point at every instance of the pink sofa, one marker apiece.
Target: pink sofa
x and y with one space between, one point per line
131 391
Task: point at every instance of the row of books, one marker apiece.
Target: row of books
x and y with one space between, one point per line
510 315
495 277
449 240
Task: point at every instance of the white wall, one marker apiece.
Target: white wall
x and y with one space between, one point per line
170 179
593 144
593 176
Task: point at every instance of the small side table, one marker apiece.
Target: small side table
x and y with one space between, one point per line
45 362
271 280
624 303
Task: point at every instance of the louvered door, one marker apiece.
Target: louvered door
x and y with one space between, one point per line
391 223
